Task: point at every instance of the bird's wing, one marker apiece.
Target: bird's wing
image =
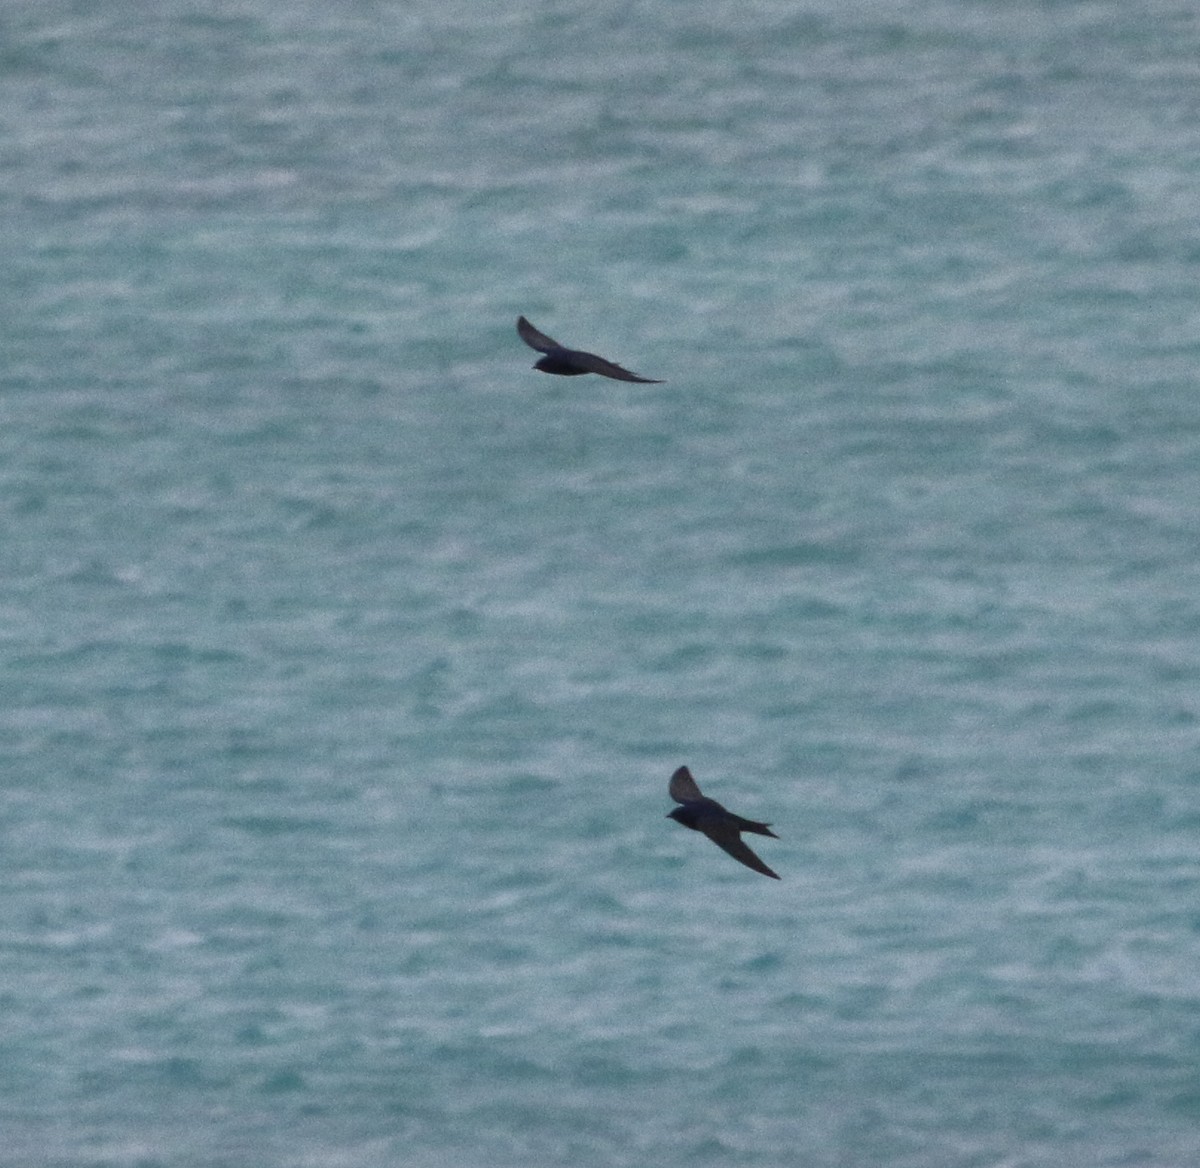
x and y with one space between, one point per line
725 836
590 363
533 338
683 787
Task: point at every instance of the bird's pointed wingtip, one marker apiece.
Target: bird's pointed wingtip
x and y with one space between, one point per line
683 787
533 336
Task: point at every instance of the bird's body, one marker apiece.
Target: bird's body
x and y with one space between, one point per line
723 827
572 362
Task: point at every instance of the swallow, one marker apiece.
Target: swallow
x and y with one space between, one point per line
721 826
572 362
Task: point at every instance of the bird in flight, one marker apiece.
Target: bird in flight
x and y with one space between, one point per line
721 826
572 362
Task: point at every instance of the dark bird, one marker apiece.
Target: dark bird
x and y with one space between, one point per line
721 826
572 362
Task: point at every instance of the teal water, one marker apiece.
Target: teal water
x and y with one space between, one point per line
346 658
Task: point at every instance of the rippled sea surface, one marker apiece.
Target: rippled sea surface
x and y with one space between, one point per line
346 658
